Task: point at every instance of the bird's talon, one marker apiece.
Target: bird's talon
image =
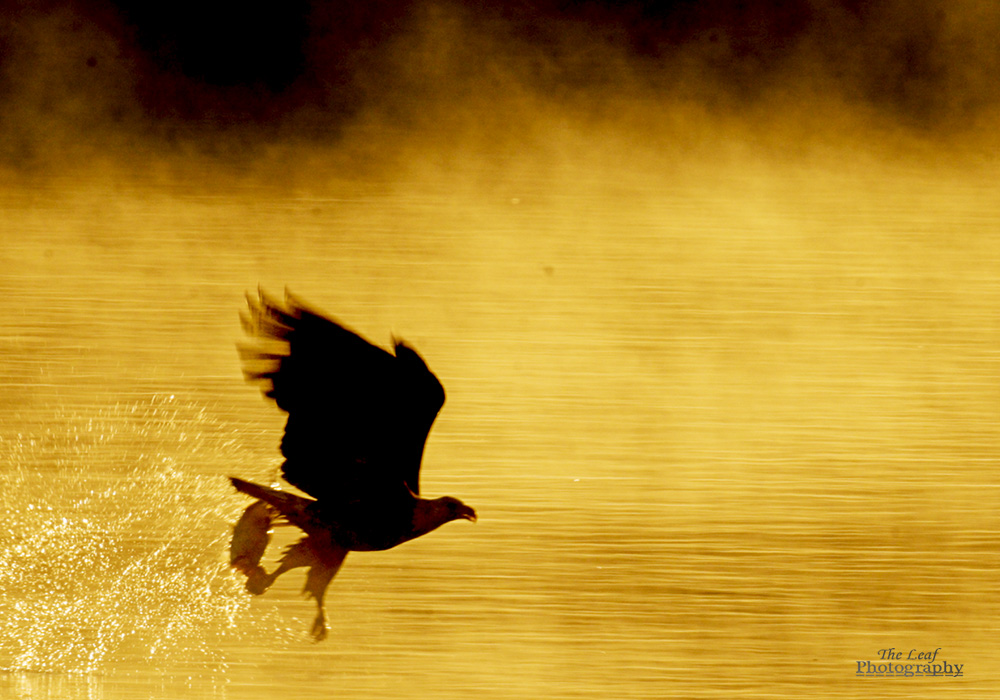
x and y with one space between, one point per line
319 631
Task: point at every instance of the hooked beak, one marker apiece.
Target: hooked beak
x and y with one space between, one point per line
467 513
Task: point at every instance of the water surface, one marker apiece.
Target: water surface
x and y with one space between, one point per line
729 429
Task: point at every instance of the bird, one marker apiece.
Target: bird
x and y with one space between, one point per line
358 419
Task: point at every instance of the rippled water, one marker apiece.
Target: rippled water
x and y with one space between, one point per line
729 431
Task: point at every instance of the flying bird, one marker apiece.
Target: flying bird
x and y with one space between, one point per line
358 418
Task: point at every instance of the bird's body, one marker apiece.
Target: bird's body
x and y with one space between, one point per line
358 418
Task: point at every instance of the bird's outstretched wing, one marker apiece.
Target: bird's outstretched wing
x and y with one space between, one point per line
358 416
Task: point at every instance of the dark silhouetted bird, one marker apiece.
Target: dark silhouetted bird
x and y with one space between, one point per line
358 418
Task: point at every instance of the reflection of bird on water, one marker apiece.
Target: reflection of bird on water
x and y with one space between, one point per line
358 417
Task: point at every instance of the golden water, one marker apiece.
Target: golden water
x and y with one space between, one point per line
730 426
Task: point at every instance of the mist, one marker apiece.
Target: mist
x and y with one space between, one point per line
318 91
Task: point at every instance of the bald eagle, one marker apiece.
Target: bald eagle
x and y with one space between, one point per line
358 418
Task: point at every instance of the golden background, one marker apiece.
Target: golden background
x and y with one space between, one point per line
718 327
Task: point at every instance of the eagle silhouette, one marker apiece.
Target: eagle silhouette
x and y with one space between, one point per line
358 418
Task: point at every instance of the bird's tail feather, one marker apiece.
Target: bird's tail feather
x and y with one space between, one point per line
294 508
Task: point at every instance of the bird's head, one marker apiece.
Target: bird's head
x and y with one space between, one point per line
456 510
430 514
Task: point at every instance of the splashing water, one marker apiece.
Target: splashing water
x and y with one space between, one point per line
113 547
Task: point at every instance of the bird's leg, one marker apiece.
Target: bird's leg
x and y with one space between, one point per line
251 535
299 554
319 577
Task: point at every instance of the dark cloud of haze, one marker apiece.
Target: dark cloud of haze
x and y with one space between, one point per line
85 77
